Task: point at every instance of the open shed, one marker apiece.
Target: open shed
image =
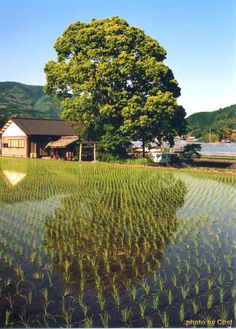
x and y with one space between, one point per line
68 147
64 147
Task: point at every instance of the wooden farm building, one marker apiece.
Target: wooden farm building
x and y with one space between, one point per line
35 138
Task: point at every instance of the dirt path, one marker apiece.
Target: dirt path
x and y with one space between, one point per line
221 171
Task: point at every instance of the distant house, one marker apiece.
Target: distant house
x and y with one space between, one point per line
35 138
191 139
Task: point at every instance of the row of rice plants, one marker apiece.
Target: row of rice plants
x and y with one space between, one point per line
111 250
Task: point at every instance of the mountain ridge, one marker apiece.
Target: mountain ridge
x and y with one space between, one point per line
26 101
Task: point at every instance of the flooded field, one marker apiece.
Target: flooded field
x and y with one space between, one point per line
89 245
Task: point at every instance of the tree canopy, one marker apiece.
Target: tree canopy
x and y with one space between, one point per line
3 120
110 78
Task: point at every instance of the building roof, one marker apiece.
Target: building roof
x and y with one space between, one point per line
44 127
62 142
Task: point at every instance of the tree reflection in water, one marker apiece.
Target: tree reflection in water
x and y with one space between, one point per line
113 236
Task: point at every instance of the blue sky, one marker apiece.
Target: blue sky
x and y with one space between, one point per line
199 36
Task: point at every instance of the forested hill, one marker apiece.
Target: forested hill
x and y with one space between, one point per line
26 101
200 122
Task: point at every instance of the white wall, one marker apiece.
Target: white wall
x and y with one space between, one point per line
13 131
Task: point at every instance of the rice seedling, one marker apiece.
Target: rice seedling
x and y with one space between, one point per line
223 313
67 315
83 306
231 275
155 302
126 313
221 278
221 294
116 296
197 287
229 261
18 288
7 318
178 268
182 313
161 284
88 322
105 319
210 283
11 300
170 296
20 273
24 319
45 294
210 300
66 292
149 322
184 291
146 287
29 297
209 268
45 306
209 321
142 307
174 280
132 292
33 256
102 302
233 292
196 307
157 262
219 242
155 276
164 319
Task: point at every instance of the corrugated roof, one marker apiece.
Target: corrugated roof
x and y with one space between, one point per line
44 127
62 142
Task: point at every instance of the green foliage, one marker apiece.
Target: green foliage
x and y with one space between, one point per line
3 120
26 101
210 136
190 152
112 146
110 78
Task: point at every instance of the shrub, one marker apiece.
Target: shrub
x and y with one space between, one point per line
190 152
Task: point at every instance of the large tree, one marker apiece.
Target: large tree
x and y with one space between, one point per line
110 78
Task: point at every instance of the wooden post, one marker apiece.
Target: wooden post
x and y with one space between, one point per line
94 152
80 152
27 147
143 146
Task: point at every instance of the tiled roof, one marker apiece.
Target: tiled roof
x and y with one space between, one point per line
44 127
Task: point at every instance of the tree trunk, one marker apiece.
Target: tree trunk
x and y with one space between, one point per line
161 144
143 148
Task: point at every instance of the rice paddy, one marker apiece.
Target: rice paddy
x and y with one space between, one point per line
89 245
